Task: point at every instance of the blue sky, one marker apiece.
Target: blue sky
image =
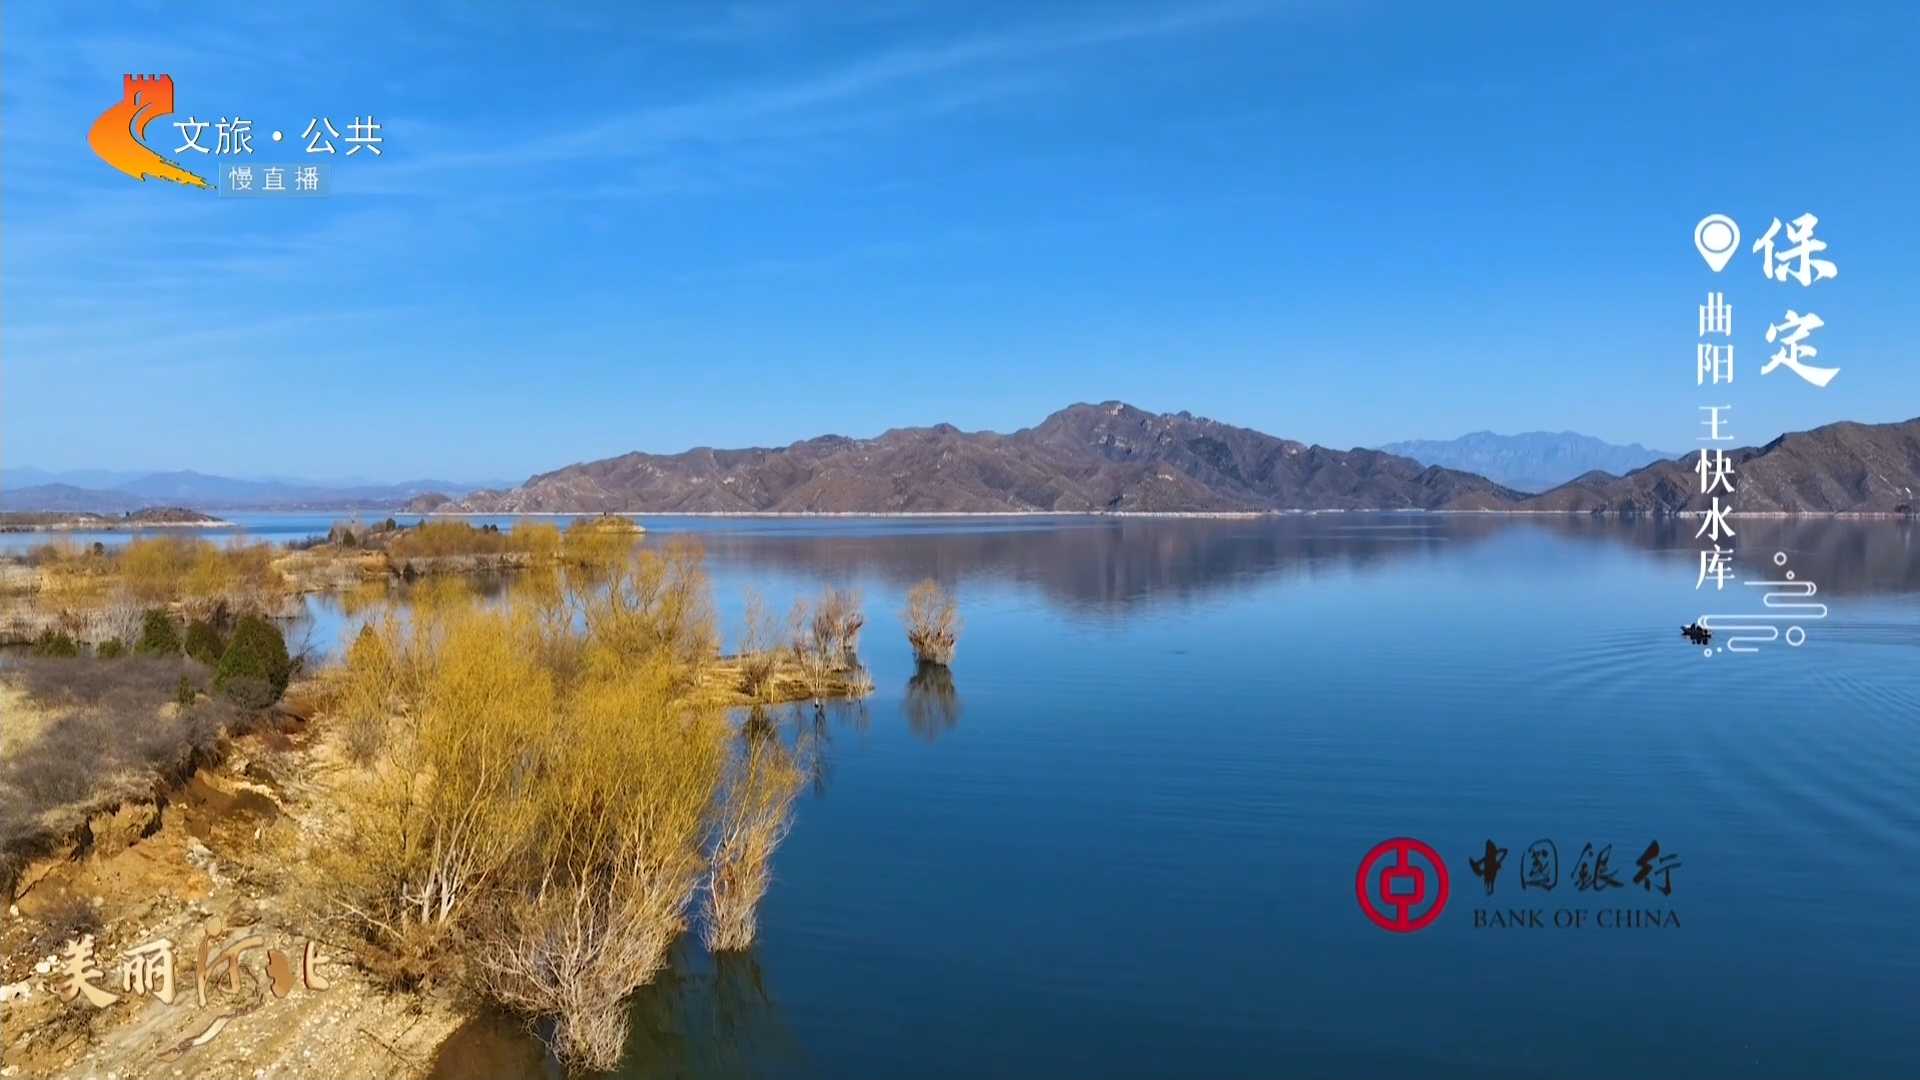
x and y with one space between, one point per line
600 228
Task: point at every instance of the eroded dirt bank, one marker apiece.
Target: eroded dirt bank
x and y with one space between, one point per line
223 860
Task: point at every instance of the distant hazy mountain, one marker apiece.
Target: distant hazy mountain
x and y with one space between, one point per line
69 498
80 478
200 489
1109 457
1533 461
37 489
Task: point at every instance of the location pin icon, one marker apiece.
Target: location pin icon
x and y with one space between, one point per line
1716 236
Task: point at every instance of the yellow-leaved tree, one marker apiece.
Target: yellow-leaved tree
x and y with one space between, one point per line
546 796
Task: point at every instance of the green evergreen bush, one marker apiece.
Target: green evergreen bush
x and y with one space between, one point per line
55 643
158 634
254 670
204 642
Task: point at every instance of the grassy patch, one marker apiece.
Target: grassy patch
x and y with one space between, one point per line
85 734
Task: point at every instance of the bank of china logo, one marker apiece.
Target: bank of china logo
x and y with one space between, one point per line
119 135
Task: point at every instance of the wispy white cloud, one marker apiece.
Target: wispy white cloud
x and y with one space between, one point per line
127 335
767 110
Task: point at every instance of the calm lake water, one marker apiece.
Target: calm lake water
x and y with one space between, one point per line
1123 840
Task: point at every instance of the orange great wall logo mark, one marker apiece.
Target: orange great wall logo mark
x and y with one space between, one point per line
118 135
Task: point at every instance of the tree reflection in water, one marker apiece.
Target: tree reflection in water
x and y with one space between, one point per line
807 728
707 1015
932 704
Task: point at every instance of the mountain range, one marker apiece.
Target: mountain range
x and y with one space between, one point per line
1834 469
1114 457
1530 461
1109 457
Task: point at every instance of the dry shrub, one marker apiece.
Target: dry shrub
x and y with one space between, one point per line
824 637
70 917
367 690
151 571
540 539
837 621
163 569
431 539
55 553
759 646
754 818
590 911
118 618
544 595
586 543
815 665
155 568
80 578
541 806
933 622
565 959
487 712
249 581
653 603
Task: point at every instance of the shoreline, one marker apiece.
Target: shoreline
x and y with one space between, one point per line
1198 514
113 525
121 526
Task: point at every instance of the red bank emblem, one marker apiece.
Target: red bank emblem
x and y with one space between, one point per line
1401 887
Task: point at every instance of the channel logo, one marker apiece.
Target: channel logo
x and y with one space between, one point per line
119 136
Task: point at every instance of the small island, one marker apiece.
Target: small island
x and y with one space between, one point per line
151 517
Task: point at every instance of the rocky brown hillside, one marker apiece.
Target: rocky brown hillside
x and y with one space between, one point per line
1116 458
1839 468
1109 457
